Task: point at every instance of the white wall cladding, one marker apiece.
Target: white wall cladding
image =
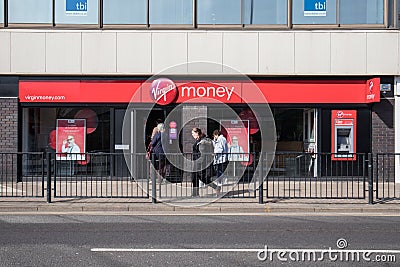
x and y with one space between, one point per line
70 60
312 53
379 61
276 53
90 52
5 48
349 52
28 52
99 52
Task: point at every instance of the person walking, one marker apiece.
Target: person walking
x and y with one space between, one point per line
158 150
220 155
202 162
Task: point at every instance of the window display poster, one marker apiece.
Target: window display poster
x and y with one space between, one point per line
71 139
237 136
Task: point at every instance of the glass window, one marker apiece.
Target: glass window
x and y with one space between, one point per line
1 11
124 11
29 11
39 128
314 12
171 12
77 12
265 12
361 11
219 12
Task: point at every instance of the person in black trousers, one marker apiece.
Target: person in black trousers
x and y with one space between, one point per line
202 162
158 150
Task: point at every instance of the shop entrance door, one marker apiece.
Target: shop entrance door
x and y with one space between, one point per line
141 124
310 140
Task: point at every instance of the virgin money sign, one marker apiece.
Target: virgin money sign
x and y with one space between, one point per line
163 91
205 92
372 91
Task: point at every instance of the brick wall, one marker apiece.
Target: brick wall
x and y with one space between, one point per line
9 124
383 140
383 126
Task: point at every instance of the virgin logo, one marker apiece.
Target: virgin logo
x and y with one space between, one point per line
340 114
163 91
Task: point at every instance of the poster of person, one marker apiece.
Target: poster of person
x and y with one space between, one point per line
71 139
237 136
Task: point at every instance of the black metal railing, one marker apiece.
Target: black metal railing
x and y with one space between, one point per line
316 175
22 174
384 176
266 176
101 175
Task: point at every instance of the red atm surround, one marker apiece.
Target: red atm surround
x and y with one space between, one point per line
344 129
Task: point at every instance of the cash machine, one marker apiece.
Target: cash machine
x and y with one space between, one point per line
344 126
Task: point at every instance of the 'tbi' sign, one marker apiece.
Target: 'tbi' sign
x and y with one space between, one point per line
315 8
76 7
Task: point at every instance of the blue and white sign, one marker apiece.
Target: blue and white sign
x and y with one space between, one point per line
76 7
315 8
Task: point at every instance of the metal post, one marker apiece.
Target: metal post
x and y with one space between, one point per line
153 180
261 180
48 183
370 180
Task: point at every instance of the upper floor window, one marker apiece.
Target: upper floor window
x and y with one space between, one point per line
213 12
265 12
124 11
77 12
361 11
338 12
171 12
29 11
1 11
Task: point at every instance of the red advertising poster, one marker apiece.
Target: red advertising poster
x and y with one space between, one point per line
237 136
71 139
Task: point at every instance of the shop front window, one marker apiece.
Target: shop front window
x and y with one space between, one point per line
28 11
39 128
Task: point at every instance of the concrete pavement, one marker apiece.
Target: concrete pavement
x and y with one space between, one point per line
220 206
